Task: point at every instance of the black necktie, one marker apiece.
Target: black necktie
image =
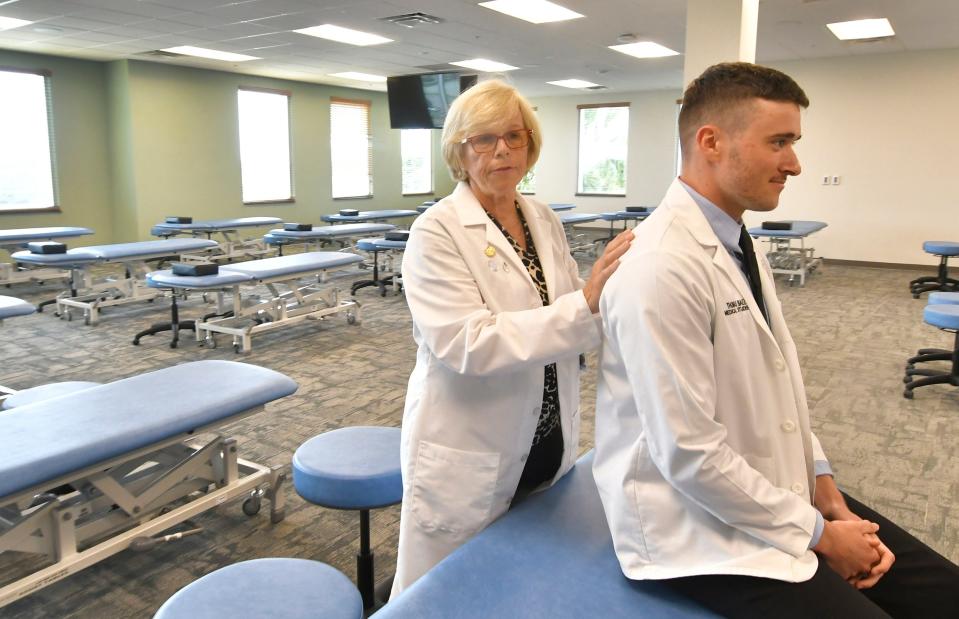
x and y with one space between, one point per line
752 270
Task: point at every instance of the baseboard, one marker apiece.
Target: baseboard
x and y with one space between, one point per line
880 265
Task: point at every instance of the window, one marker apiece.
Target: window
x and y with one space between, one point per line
527 185
416 151
528 182
26 158
265 145
351 151
603 136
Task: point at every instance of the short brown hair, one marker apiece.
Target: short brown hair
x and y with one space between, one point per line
712 97
474 111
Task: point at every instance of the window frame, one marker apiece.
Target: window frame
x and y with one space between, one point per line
429 165
530 191
289 143
47 76
368 104
579 109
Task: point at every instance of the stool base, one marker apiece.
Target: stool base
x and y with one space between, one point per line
933 377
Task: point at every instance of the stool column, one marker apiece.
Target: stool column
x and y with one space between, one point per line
364 561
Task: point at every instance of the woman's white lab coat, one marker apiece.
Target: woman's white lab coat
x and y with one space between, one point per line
704 453
474 397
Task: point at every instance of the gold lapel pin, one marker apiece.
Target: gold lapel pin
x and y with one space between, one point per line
490 251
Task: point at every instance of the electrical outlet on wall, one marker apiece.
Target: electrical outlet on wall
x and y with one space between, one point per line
836 180
825 179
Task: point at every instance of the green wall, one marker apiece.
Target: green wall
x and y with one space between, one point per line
81 127
137 141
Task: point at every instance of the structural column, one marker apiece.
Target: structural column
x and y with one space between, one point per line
719 31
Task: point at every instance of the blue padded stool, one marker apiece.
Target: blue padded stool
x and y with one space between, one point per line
946 317
273 588
11 307
352 468
941 281
375 246
933 354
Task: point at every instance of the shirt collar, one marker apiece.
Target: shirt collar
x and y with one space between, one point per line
726 228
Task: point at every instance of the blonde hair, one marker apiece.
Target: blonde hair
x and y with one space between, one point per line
480 107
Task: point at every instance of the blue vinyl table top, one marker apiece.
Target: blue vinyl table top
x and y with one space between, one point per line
800 229
370 215
22 236
219 225
551 557
61 435
332 232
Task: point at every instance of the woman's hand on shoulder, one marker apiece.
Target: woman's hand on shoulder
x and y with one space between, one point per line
604 266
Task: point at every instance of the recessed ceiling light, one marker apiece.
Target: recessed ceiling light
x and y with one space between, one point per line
47 30
213 54
362 77
535 11
573 83
862 29
343 35
9 23
484 65
644 49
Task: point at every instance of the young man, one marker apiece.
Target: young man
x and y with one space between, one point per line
710 476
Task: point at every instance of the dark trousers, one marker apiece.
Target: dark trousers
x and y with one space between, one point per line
921 584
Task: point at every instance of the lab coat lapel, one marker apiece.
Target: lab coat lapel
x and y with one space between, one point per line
539 230
474 218
703 232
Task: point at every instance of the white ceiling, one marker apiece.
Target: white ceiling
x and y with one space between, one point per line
115 29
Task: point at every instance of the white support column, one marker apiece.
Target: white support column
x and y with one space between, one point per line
719 31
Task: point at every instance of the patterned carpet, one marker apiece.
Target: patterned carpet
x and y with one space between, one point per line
854 327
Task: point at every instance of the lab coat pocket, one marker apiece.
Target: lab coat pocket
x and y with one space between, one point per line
452 490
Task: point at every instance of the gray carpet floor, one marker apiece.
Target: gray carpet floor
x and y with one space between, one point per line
854 327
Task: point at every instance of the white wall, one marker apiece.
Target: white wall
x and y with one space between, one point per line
882 122
650 161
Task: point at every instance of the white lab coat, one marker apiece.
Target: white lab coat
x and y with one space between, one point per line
475 394
704 454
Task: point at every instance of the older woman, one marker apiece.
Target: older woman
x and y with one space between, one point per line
500 316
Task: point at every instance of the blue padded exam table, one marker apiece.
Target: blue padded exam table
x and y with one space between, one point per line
139 456
369 216
13 240
551 557
344 234
89 292
212 226
558 207
231 247
578 242
295 295
786 259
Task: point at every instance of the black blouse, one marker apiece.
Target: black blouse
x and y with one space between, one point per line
546 453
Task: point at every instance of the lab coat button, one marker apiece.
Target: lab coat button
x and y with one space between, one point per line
788 426
797 488
523 457
779 365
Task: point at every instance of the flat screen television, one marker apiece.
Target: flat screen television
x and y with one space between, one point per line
421 101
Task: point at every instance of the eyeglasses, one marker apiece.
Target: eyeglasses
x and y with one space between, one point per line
486 142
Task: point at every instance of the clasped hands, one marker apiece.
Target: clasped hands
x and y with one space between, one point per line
851 546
